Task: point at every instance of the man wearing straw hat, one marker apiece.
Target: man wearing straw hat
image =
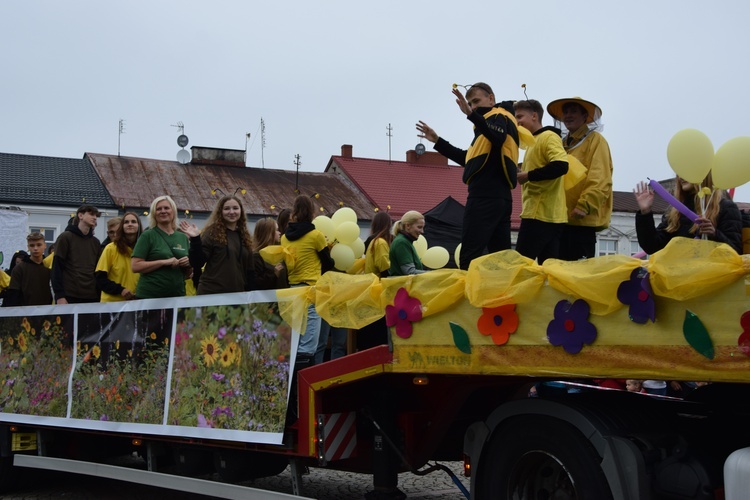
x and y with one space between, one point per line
589 202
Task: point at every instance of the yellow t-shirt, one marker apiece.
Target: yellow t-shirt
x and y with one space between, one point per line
544 200
117 267
48 260
378 257
304 267
4 280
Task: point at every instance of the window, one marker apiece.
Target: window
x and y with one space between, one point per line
48 232
634 247
607 247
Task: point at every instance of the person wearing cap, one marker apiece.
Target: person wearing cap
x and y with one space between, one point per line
544 213
489 170
29 281
76 256
589 202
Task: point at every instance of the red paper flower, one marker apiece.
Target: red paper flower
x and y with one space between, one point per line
404 311
499 322
744 339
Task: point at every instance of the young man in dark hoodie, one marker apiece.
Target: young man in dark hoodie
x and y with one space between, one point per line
489 170
544 213
29 281
76 255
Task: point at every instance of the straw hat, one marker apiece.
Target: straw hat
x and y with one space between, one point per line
555 108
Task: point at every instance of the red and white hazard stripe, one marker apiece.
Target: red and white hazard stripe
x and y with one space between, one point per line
339 435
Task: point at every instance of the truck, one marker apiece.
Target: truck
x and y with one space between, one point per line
494 366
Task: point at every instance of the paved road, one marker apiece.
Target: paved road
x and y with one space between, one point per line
319 483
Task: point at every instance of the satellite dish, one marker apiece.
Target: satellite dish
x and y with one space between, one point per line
183 156
182 140
419 149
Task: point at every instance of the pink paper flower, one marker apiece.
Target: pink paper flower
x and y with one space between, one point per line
404 311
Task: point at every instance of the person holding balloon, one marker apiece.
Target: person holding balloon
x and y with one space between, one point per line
589 201
403 255
311 258
712 215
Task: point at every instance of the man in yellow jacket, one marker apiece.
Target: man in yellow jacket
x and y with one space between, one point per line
589 202
545 164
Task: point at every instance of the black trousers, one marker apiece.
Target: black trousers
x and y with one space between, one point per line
539 240
486 227
577 242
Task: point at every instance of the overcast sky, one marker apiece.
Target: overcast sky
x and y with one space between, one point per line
326 73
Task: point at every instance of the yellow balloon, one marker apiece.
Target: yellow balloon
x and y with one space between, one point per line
347 232
344 214
358 247
421 245
325 225
435 257
457 255
690 154
732 163
342 256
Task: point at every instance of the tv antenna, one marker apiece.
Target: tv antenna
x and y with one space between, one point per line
247 138
390 135
297 163
262 142
121 130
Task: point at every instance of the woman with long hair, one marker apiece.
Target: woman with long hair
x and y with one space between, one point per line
378 245
225 247
378 262
268 277
719 219
114 274
161 254
403 255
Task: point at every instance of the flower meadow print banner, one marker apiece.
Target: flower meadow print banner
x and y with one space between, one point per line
214 367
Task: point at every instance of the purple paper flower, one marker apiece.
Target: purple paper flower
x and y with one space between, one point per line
571 328
404 311
636 293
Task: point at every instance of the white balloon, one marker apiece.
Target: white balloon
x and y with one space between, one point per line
421 245
342 256
457 255
344 214
347 232
325 225
435 257
358 247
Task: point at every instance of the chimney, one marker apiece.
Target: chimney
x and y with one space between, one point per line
426 158
218 156
346 150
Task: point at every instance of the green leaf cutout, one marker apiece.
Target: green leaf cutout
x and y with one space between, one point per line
461 338
697 335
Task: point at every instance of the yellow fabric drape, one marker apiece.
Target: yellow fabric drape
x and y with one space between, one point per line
688 268
350 301
502 278
594 280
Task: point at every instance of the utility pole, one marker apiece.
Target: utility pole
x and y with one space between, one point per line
262 142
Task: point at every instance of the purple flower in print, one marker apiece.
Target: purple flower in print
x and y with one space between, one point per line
636 293
571 328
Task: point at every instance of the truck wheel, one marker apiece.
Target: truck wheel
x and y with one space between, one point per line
534 457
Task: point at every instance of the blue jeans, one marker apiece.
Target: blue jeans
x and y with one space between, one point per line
308 343
338 341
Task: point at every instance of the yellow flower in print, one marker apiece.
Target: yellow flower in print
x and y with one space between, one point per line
210 350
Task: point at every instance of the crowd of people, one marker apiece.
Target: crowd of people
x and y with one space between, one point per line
566 199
